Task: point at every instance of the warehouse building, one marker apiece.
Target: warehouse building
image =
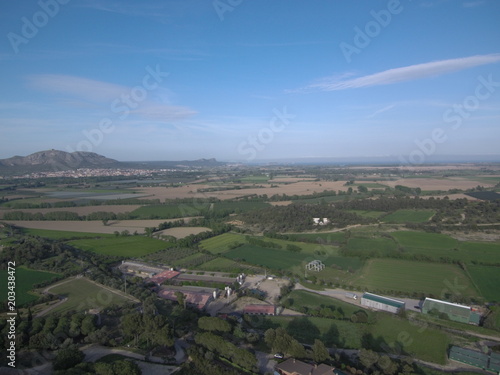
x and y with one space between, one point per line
486 361
454 311
382 303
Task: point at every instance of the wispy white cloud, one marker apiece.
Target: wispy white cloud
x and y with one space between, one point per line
377 112
403 74
80 92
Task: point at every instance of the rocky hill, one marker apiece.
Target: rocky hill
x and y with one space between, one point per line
55 160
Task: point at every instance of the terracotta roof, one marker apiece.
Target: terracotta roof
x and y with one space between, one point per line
165 275
296 367
259 309
200 300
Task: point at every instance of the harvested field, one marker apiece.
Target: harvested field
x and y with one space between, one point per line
450 196
190 191
91 226
437 183
80 210
183 231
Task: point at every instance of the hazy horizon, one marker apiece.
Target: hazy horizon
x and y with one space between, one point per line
255 81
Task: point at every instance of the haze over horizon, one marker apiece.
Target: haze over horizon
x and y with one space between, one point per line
251 80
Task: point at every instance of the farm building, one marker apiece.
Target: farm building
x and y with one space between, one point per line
382 303
455 312
162 276
485 361
259 310
293 366
196 297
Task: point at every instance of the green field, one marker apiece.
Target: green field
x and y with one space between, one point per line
390 335
439 247
83 295
315 301
223 265
408 216
25 279
271 258
371 247
433 279
320 237
128 246
221 243
62 235
195 208
487 279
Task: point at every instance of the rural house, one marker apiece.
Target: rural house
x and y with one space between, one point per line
293 366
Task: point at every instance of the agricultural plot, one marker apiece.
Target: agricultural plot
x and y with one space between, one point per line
320 237
371 247
390 335
487 279
181 232
298 298
122 246
25 280
64 235
83 295
432 279
408 216
441 247
224 265
222 243
270 258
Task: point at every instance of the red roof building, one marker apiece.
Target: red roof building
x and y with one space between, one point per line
293 366
260 310
196 299
162 276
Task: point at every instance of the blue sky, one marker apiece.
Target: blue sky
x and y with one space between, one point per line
250 80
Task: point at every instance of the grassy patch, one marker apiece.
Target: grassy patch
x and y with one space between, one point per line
63 235
320 237
128 246
370 214
371 247
83 295
271 258
409 216
221 244
487 279
433 279
25 280
223 265
441 247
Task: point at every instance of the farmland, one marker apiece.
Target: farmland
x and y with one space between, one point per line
222 243
25 280
123 246
412 278
428 344
83 295
271 258
487 280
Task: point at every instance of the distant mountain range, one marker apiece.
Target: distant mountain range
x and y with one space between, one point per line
55 160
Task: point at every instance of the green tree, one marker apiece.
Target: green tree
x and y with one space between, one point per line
320 352
67 358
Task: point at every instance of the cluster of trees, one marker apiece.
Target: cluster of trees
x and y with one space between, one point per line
152 330
226 349
50 333
298 217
